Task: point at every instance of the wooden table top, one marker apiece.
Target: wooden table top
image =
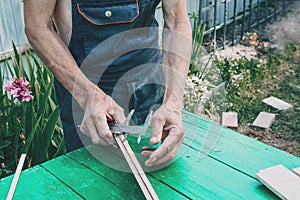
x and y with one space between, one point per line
213 163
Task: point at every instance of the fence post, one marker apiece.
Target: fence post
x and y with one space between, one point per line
215 24
250 15
275 10
258 15
234 22
200 11
244 19
266 12
225 23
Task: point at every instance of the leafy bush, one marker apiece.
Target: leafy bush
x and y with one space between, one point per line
243 80
31 127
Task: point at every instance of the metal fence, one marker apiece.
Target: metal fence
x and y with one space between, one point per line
228 20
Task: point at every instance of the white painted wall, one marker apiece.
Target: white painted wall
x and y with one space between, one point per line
11 24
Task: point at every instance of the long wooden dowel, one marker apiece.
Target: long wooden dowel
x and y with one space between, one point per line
136 168
16 178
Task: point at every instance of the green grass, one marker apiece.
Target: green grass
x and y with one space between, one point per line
289 90
279 77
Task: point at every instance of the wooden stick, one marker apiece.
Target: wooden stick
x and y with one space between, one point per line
16 178
136 168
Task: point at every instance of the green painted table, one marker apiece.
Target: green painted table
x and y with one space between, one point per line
213 163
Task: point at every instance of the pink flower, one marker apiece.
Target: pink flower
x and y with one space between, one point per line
19 88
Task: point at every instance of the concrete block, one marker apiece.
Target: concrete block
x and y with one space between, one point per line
230 119
281 181
277 103
264 120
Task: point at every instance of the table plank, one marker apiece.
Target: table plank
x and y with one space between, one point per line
192 177
124 180
236 150
84 181
208 178
37 183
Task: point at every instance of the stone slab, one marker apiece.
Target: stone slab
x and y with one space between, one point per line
264 120
281 181
277 103
230 119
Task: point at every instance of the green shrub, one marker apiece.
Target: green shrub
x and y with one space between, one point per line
243 79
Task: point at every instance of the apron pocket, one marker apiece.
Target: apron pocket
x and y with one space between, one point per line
109 13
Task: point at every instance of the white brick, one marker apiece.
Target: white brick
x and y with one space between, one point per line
277 103
264 120
230 119
281 181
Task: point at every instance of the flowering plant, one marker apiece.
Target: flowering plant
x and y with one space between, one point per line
31 124
19 88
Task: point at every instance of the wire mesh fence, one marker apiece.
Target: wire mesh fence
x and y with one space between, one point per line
227 21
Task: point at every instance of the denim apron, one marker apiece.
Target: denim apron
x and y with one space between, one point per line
122 36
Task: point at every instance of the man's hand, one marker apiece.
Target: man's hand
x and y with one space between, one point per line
167 128
99 109
177 47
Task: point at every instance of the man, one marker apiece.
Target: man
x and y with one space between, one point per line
64 33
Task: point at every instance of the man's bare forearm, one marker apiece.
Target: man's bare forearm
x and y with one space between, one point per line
177 45
52 50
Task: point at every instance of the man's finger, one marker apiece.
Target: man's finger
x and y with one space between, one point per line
147 151
118 114
103 131
175 134
157 130
167 157
91 131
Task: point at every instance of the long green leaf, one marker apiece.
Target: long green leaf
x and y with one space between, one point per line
17 56
30 68
5 144
9 68
16 62
50 126
52 104
29 118
31 136
61 149
22 72
39 152
43 100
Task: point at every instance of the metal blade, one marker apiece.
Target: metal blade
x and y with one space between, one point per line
145 127
128 118
127 129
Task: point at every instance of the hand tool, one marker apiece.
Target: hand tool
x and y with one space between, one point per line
132 130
